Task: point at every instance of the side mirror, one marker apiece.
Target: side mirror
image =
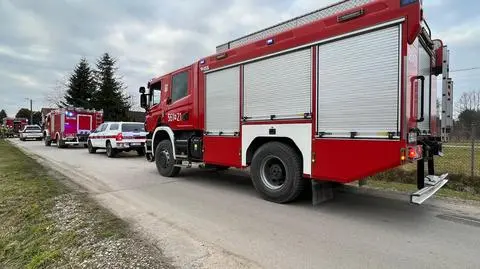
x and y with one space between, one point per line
141 90
143 100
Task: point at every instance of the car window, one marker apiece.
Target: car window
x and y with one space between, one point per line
179 86
104 127
99 128
114 127
32 128
133 127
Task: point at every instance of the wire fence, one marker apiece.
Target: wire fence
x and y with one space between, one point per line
462 152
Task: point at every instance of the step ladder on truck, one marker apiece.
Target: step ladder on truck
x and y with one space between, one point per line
335 95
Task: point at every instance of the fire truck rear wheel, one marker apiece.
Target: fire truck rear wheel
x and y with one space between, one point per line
164 159
277 172
61 143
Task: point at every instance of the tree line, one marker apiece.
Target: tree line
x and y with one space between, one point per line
468 109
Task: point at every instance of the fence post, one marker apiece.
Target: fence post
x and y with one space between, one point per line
473 150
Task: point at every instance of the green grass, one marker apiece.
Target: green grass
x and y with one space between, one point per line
456 162
29 238
409 188
26 195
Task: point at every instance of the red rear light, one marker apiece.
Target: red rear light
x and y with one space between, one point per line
415 153
119 137
412 153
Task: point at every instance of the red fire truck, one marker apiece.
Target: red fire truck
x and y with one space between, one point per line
8 122
70 126
335 95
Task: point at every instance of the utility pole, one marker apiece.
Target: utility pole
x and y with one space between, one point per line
31 111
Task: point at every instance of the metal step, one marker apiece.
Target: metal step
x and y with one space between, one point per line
433 184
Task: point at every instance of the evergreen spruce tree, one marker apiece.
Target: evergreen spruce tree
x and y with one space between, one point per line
111 95
3 114
80 86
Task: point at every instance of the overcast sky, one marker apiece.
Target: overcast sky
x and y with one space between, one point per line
41 40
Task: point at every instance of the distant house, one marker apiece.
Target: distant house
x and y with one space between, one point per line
44 111
137 116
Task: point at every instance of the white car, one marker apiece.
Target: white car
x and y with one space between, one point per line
31 132
116 137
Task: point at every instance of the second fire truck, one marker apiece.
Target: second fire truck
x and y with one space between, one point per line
70 126
336 95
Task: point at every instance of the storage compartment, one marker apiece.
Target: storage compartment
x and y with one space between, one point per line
223 102
84 122
359 86
278 87
196 148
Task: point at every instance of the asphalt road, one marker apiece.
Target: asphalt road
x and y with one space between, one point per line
209 220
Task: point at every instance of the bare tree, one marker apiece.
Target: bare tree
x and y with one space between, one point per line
55 98
468 101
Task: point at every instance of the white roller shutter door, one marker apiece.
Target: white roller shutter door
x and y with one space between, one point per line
358 89
279 86
222 102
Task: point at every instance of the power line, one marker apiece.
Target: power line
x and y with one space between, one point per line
465 69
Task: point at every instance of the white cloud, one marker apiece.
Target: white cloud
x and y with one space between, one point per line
465 34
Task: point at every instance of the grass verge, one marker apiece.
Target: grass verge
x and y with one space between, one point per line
409 188
456 162
45 224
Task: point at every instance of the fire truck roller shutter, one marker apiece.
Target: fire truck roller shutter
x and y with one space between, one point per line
359 85
222 102
279 86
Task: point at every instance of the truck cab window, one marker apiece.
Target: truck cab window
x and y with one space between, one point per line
179 86
156 94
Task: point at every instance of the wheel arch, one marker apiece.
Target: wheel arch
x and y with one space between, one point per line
260 141
163 133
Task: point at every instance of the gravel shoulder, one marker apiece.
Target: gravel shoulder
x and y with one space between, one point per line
49 223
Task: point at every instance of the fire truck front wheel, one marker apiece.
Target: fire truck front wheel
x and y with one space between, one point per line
277 172
164 159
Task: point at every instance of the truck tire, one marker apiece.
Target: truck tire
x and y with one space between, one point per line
61 144
91 149
277 172
164 159
48 141
111 152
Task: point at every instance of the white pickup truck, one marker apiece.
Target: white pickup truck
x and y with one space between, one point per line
31 132
116 137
